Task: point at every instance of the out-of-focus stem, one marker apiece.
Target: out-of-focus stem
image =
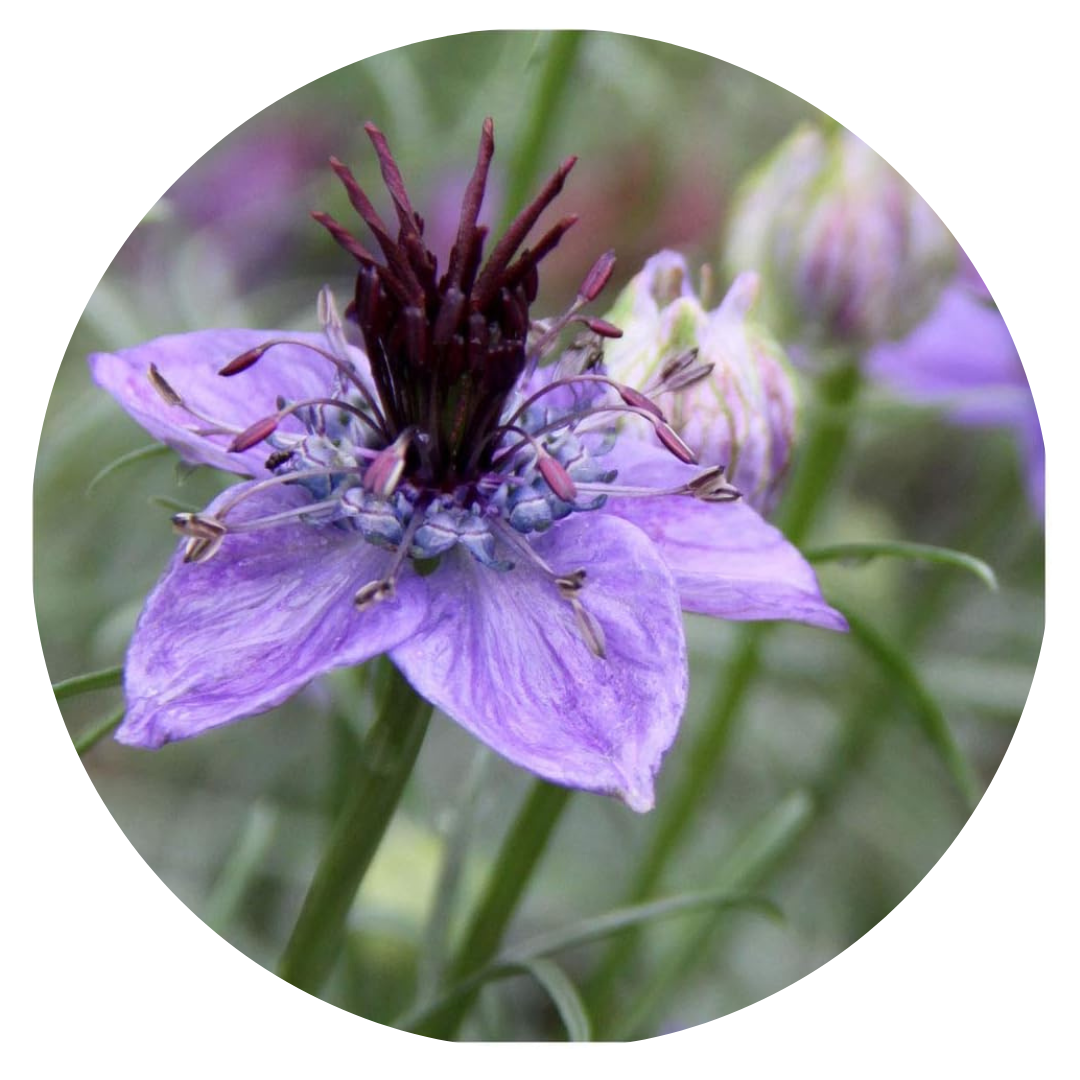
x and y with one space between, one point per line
510 874
555 80
390 751
815 473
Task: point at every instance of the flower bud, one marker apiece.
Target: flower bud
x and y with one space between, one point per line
739 410
850 254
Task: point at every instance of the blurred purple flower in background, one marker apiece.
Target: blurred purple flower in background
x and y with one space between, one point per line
962 359
436 496
736 405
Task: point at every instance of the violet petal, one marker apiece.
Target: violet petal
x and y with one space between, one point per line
503 655
728 562
190 364
240 633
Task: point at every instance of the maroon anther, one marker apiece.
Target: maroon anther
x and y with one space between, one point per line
245 360
638 400
557 478
252 436
674 444
597 277
603 327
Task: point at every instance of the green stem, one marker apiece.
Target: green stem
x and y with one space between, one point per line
390 750
815 474
555 80
821 453
861 729
83 684
88 739
510 874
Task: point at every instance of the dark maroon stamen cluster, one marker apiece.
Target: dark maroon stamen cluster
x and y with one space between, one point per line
445 352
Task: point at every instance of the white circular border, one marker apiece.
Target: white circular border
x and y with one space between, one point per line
110 103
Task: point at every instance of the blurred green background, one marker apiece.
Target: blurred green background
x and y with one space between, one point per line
233 822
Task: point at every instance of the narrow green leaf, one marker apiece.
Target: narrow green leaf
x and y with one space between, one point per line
433 955
563 995
901 549
612 922
929 714
256 836
88 739
83 684
585 932
510 873
143 453
753 856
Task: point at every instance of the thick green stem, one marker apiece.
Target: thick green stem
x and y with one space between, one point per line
390 750
821 455
510 875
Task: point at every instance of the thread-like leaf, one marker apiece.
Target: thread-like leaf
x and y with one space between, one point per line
83 684
928 713
88 739
563 994
143 453
864 551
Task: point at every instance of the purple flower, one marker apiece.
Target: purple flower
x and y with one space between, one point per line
437 496
962 359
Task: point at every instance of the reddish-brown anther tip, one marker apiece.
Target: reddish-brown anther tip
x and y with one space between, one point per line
675 445
243 361
557 478
603 328
598 276
252 436
638 400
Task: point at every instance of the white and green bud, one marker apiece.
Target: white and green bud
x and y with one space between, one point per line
721 380
850 254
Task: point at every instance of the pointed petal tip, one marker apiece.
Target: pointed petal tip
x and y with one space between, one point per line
139 733
638 795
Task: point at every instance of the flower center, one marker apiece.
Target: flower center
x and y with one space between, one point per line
453 435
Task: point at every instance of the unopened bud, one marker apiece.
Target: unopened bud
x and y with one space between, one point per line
850 253
722 383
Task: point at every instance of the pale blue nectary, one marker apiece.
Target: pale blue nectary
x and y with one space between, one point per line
740 412
850 254
436 497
